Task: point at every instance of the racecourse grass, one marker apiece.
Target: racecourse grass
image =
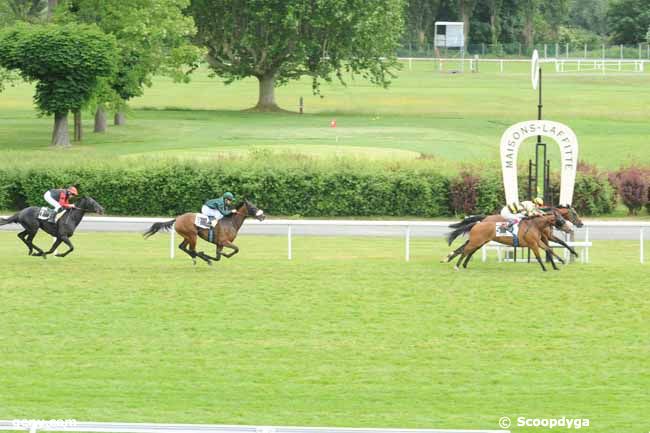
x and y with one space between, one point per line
449 117
346 334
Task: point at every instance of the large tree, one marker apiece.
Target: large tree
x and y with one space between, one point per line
465 11
66 63
494 6
153 37
279 40
590 15
421 15
628 20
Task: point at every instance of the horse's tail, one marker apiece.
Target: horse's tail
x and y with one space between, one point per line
467 220
156 227
459 231
11 220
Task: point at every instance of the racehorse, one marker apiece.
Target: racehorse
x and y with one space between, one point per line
62 230
567 212
226 231
531 235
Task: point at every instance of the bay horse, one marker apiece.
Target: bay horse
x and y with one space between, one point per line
567 212
225 232
530 235
62 230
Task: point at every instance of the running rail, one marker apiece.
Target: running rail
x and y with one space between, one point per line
117 427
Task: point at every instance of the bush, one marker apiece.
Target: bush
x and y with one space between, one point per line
632 184
173 188
463 193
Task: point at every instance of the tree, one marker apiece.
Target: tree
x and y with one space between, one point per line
421 15
554 13
65 61
628 20
590 15
465 10
530 10
153 37
494 7
279 40
23 10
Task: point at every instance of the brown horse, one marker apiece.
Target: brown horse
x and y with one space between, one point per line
531 232
567 212
225 233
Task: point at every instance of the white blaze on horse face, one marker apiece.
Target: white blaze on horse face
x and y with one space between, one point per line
568 227
259 212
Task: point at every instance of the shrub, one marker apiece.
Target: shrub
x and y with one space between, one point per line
632 184
463 193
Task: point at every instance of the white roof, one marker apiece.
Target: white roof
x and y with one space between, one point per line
449 23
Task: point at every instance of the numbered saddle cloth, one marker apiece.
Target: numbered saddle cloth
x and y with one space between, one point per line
202 221
504 229
45 213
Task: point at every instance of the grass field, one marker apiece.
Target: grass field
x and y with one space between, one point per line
452 117
347 334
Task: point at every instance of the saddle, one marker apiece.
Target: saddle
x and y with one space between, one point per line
505 229
202 221
46 214
205 222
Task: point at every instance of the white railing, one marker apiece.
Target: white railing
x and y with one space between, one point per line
405 227
117 427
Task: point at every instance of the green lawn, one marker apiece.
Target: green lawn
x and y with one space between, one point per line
453 117
347 334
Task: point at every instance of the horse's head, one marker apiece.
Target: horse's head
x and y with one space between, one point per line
247 208
89 204
560 223
570 213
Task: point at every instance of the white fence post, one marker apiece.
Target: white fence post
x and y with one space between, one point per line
289 252
641 255
408 244
585 250
172 235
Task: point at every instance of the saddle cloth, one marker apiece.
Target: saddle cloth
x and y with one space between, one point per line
45 213
202 221
502 229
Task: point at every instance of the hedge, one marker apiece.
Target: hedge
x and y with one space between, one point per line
346 189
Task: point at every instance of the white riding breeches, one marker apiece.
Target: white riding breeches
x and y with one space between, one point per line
214 213
55 204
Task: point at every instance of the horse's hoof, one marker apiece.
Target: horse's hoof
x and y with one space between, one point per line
194 262
456 268
209 263
59 255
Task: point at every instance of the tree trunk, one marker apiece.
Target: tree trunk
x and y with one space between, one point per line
100 119
120 119
60 135
528 31
78 126
494 29
266 100
51 5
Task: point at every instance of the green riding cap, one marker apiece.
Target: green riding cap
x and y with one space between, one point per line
229 196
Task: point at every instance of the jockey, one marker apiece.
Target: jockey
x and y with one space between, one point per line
218 208
533 207
59 200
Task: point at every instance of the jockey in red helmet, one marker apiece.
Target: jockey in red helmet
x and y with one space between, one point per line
59 199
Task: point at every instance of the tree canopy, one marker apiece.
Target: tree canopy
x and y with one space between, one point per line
279 40
65 61
628 20
153 37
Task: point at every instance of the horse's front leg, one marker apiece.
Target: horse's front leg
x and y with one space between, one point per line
69 244
232 246
565 245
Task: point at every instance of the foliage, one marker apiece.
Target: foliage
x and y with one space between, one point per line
590 15
279 40
153 37
183 186
66 62
578 36
593 193
463 194
633 185
22 10
628 21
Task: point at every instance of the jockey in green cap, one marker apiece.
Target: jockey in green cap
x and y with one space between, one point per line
218 208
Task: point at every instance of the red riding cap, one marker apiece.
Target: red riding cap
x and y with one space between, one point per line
72 190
